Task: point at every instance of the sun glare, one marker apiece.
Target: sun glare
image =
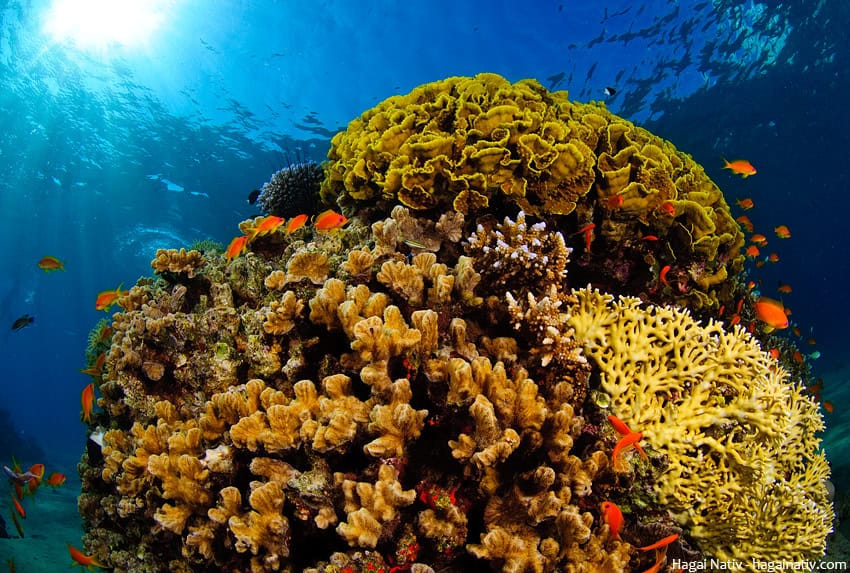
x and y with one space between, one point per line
102 24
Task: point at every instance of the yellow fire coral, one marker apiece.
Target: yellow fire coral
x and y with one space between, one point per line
745 475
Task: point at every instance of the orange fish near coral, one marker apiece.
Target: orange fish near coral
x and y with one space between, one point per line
18 507
87 401
782 231
56 479
267 225
107 298
49 263
612 515
85 561
329 220
758 239
236 247
630 439
740 167
614 202
746 223
752 251
668 208
745 204
661 543
97 369
296 223
783 288
624 430
662 276
771 312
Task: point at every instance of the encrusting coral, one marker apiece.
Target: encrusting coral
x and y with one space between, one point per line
421 391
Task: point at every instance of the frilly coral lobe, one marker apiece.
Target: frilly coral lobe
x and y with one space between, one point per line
421 390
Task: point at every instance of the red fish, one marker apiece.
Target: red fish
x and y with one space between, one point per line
614 202
661 543
624 430
630 439
236 247
740 167
771 312
783 288
773 258
774 352
296 223
746 223
56 479
752 251
107 298
649 238
329 220
782 231
827 405
745 204
87 401
85 561
48 264
668 208
612 515
588 235
18 507
663 274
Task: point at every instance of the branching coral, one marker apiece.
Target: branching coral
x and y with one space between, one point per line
178 262
745 474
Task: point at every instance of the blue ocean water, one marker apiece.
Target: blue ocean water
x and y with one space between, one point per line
113 146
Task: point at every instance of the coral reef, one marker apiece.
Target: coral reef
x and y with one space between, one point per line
422 391
371 413
292 190
745 475
474 145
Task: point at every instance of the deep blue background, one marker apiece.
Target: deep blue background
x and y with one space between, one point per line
108 154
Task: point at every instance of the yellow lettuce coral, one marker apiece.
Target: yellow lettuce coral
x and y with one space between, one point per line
745 475
482 144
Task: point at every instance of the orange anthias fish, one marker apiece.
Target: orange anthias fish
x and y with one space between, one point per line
87 401
782 231
771 312
614 202
662 276
661 543
783 288
16 522
236 247
329 220
18 507
745 204
86 561
97 369
746 223
107 298
612 515
49 263
269 224
587 231
56 479
740 167
630 439
758 239
752 251
624 430
668 208
296 223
